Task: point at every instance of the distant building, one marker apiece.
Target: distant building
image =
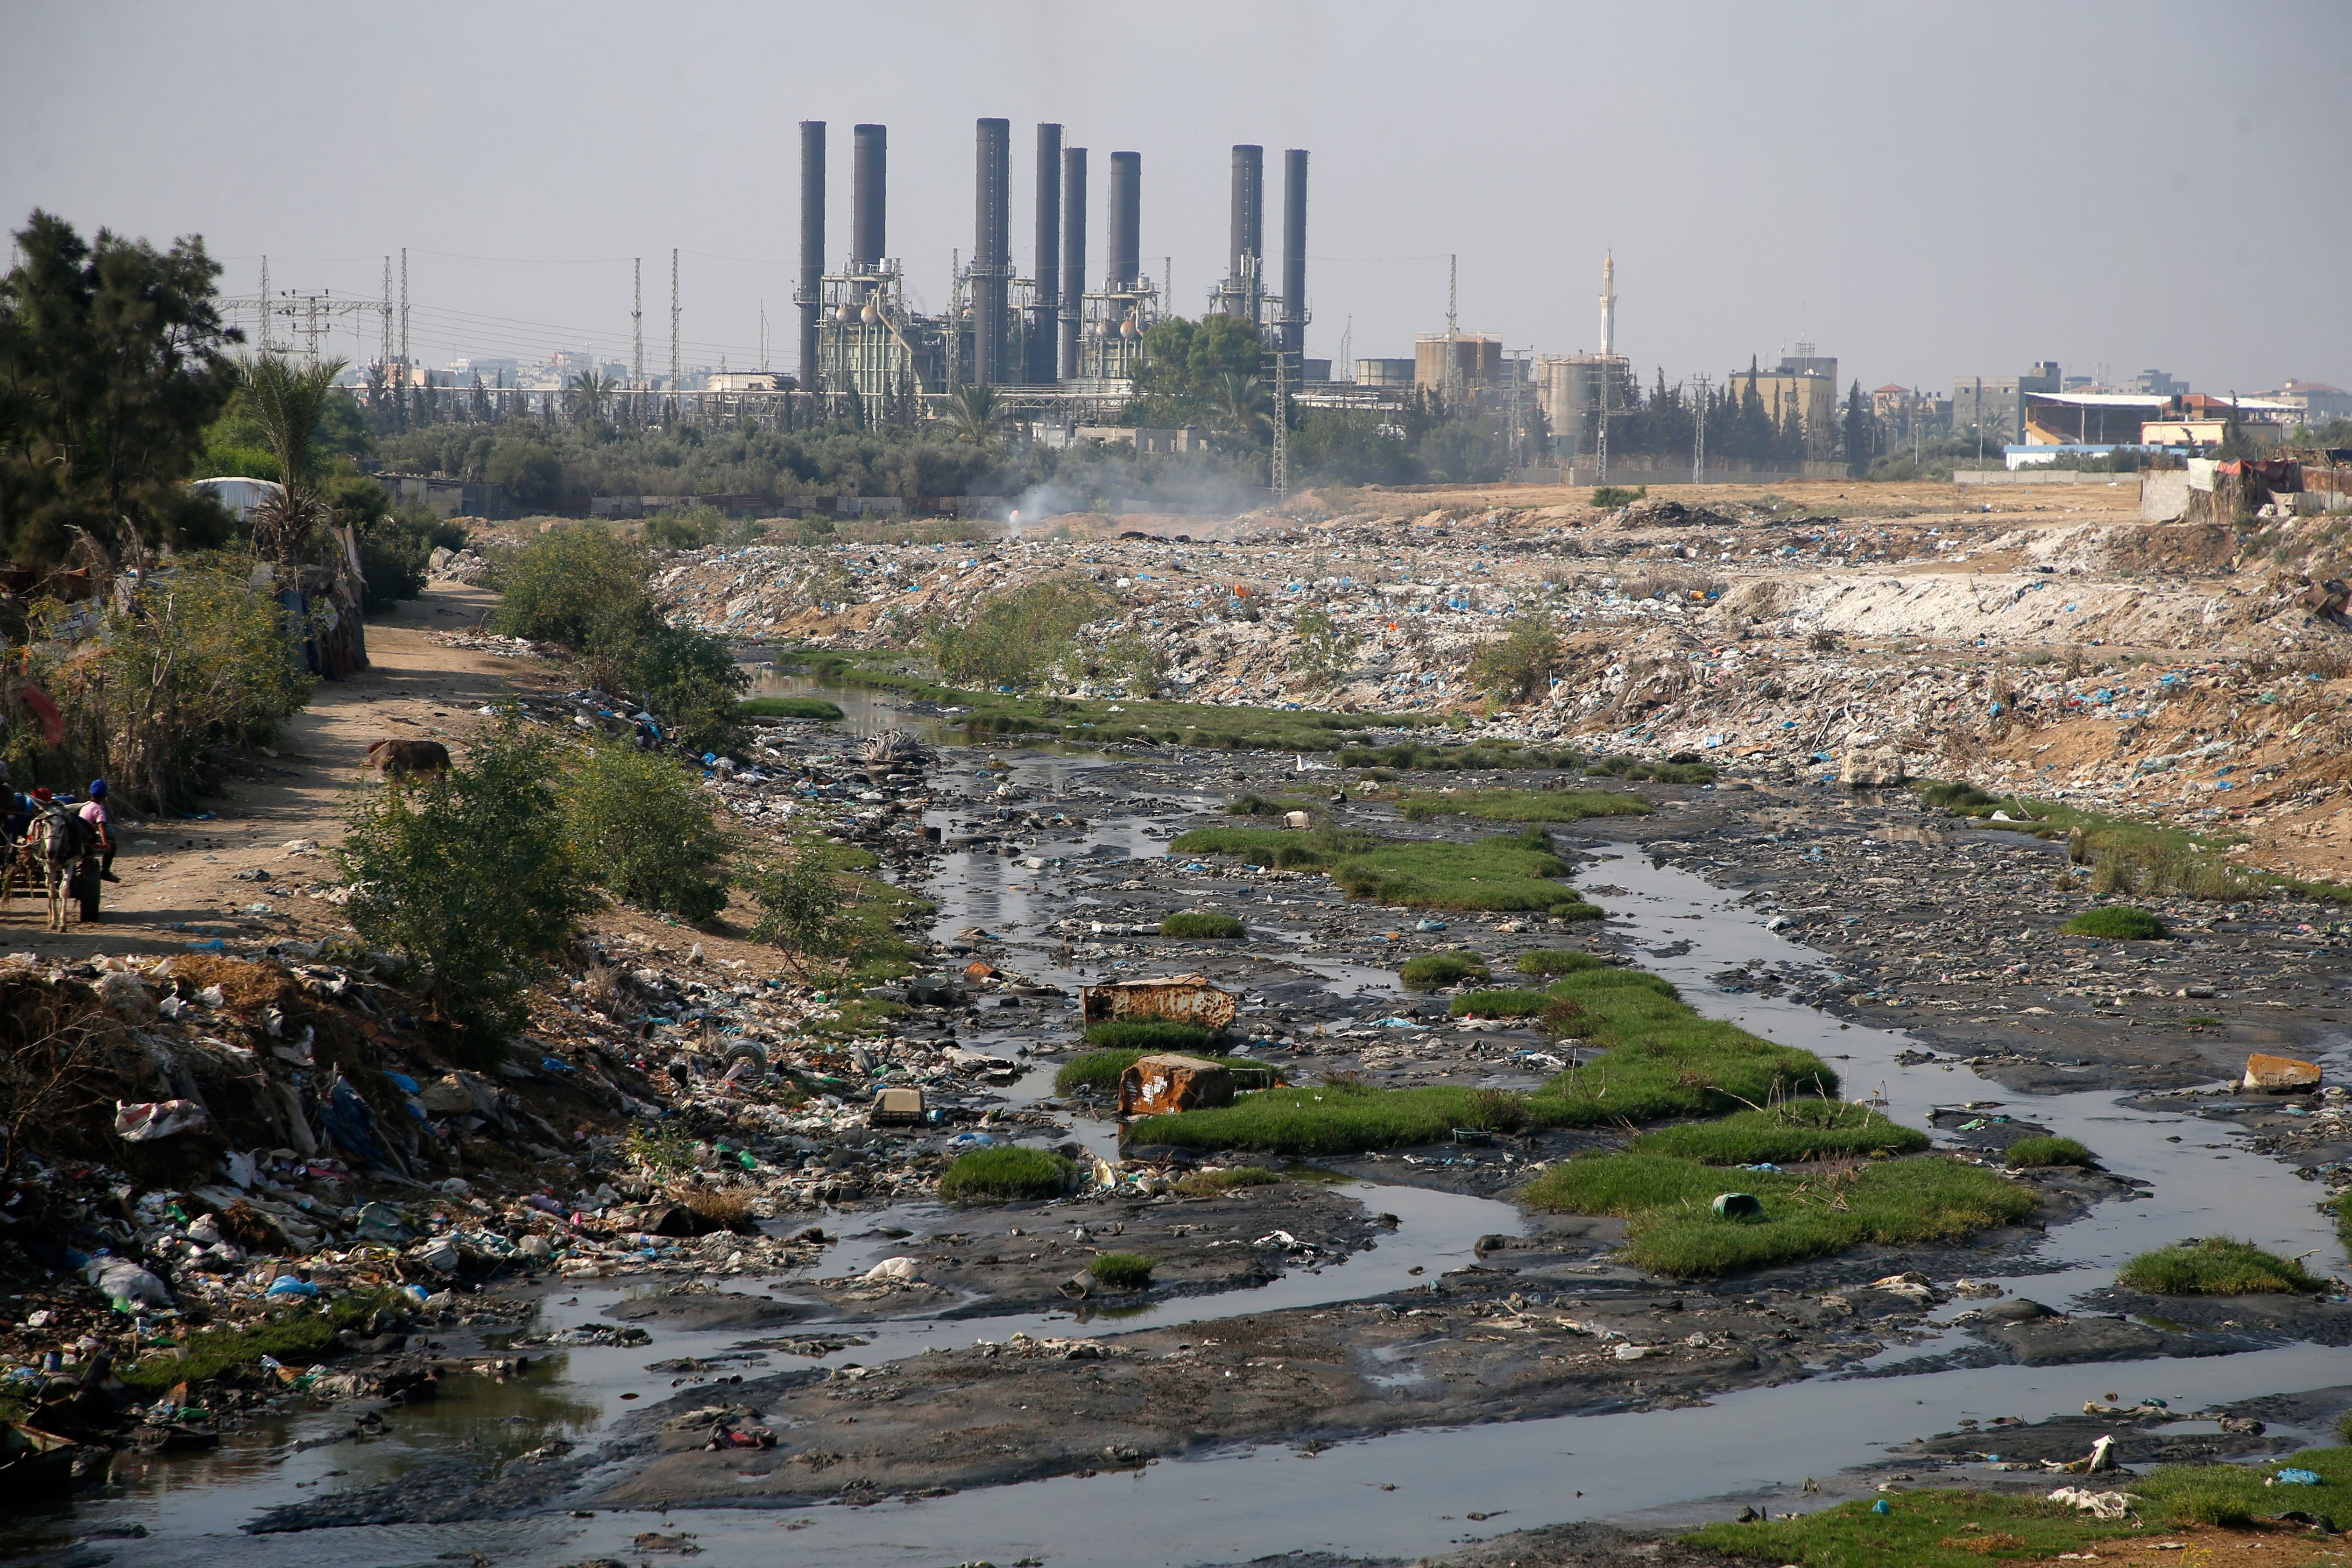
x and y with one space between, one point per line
731 380
1994 406
1571 389
1804 382
1448 362
2154 384
1901 410
1384 373
2318 402
2089 418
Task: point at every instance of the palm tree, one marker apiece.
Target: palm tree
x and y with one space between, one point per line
588 392
972 411
1238 402
286 402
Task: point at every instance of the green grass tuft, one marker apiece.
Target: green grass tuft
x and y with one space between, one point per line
787 708
1792 1131
1144 1036
1122 1270
1556 961
2122 922
1526 804
1507 1004
1100 1070
1432 971
1005 1176
1672 1229
1201 923
2216 1265
1322 846
296 1336
1509 872
2039 1153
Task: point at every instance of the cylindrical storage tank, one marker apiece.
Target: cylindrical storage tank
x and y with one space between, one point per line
869 177
1125 260
1294 252
1074 254
812 243
994 146
1044 331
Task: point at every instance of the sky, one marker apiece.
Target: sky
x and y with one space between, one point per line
1924 190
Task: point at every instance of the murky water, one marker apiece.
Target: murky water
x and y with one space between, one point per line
1398 1495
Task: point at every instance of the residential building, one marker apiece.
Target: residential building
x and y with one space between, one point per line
1994 406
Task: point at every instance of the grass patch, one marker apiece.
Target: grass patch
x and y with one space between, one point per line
1100 1070
1526 804
1201 923
1792 1131
1507 1004
1650 773
1957 1529
1509 872
1432 971
2040 1153
1005 1175
1673 1230
1224 1179
1552 962
1122 1270
1657 1059
1478 756
298 1337
2120 922
787 708
2216 1265
1316 847
1145 1036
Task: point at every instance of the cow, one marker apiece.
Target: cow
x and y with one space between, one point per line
403 759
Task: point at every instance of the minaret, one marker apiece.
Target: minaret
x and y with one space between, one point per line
1608 304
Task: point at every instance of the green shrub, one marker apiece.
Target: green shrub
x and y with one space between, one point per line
1507 1004
1121 1270
1147 1036
815 906
788 708
1956 795
562 584
1201 923
396 550
1519 664
2216 1266
1220 1179
1792 1131
2035 1153
1013 638
1526 804
1432 970
1609 498
641 829
2121 922
1005 1176
1100 1070
1496 1110
1554 961
471 876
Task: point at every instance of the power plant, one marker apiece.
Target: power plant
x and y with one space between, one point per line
1048 344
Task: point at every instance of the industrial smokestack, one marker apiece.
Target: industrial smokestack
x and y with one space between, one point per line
811 244
1126 246
989 249
1294 254
1045 329
869 175
1074 255
1248 229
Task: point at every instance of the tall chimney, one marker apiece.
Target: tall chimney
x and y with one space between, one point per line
1044 329
811 244
1294 254
1125 241
1074 255
1248 229
989 249
870 174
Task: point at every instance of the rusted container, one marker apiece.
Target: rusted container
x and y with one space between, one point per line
1163 1085
1183 998
2279 1074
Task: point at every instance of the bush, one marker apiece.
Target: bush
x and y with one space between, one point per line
1145 1035
471 876
1122 1270
1609 498
1496 1110
2037 1154
686 678
1519 664
2121 922
563 585
1511 1004
1007 1175
1434 971
2216 1266
1553 961
642 830
1014 638
1201 923
813 910
394 551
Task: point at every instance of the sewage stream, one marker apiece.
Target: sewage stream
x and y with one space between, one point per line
1245 1502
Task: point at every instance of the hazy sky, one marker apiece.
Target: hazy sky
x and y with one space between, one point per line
1925 190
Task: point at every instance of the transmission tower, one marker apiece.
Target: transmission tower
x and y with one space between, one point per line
264 300
1699 443
637 323
385 359
1281 474
403 311
676 372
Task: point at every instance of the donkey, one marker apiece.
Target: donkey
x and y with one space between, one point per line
60 843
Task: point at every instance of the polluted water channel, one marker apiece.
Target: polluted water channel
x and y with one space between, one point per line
1403 1493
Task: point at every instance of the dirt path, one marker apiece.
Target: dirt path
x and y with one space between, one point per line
180 881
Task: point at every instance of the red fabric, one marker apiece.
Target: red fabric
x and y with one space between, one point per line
53 723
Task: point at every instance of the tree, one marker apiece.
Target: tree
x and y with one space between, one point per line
642 830
972 411
285 403
1857 433
527 470
111 365
1238 403
587 395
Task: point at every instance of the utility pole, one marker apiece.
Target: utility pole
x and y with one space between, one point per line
763 336
265 300
386 356
1281 466
1450 325
1699 444
403 313
676 373
638 323
1346 368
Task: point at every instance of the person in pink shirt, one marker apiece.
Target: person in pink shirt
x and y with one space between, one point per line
94 812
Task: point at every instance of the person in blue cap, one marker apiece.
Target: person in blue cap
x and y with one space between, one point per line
101 823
